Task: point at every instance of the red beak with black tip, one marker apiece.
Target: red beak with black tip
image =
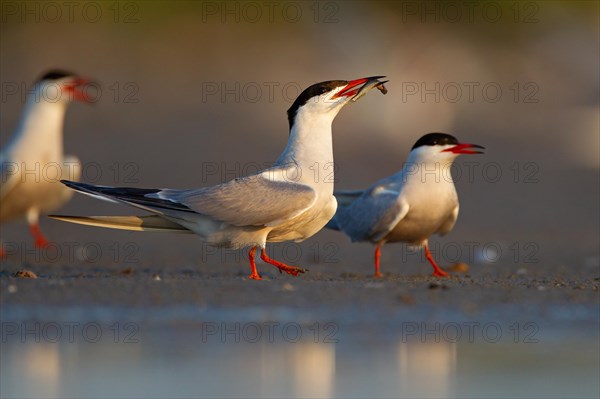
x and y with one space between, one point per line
78 89
352 87
464 148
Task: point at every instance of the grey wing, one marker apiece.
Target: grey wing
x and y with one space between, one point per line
449 222
249 201
373 215
345 198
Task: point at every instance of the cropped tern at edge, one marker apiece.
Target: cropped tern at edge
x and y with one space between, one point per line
409 206
33 162
287 202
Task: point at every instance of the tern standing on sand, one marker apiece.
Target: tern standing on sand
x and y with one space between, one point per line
288 202
411 205
33 162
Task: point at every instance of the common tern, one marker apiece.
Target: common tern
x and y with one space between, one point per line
409 206
32 163
287 202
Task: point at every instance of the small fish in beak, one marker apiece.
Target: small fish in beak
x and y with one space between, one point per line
368 86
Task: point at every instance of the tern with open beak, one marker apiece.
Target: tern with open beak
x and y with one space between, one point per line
287 202
409 206
32 162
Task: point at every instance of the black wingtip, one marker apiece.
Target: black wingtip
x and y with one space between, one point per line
69 183
82 187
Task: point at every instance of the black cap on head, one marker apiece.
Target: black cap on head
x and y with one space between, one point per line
315 90
435 139
55 74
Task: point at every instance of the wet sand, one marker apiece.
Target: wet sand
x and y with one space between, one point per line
535 293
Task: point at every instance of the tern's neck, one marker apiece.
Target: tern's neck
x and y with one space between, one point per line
310 147
425 168
41 127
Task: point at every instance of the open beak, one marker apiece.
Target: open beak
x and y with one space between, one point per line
464 148
77 89
357 88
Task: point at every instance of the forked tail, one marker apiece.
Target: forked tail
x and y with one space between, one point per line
135 223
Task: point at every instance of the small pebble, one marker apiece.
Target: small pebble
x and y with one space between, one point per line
25 274
287 287
374 285
12 289
406 299
541 288
435 285
522 271
459 267
156 277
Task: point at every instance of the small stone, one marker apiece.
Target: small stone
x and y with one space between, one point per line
25 274
406 299
288 287
156 277
460 267
437 285
374 285
127 272
12 289
541 288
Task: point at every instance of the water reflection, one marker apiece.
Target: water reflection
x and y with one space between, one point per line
426 369
179 364
36 369
314 369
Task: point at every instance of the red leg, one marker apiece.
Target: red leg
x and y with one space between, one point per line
377 256
36 232
281 266
437 271
254 273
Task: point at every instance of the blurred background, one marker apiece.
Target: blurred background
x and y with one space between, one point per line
195 93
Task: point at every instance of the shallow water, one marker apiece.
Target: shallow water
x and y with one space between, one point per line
185 355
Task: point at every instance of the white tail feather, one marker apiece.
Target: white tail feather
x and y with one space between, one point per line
135 223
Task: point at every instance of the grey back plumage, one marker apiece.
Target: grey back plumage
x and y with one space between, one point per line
370 215
265 202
